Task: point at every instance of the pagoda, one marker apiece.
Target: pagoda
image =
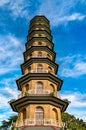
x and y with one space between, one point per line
39 105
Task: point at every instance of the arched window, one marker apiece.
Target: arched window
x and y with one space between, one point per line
27 87
52 88
39 68
39 54
27 57
39 29
55 114
39 35
49 69
31 55
39 116
29 69
39 88
26 71
48 56
39 43
24 113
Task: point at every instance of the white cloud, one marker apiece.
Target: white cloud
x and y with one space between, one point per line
59 12
76 16
6 114
77 107
72 66
3 2
10 53
19 8
73 17
56 11
7 94
8 91
3 101
7 81
13 92
81 114
77 99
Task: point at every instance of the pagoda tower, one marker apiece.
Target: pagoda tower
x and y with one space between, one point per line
39 105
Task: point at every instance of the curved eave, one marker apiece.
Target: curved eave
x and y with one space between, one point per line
38 76
26 100
41 31
39 48
37 38
39 60
39 26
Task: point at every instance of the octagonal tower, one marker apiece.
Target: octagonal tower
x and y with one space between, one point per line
39 104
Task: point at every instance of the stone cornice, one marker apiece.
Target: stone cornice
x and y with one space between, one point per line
37 39
38 76
39 60
39 100
41 48
37 16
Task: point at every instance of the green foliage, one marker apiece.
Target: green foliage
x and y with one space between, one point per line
7 124
52 94
72 123
66 100
12 100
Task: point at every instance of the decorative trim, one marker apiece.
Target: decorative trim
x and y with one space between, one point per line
38 76
26 100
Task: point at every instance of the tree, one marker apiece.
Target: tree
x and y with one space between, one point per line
71 123
6 124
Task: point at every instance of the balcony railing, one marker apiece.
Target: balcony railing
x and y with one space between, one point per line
39 56
45 122
39 71
33 92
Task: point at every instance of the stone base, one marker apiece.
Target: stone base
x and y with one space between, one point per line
40 128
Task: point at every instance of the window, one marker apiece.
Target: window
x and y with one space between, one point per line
48 56
39 43
39 88
26 71
39 116
27 87
39 29
55 114
30 55
39 54
24 113
52 88
39 35
49 69
39 68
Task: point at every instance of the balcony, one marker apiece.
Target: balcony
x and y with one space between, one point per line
38 56
39 71
39 33
45 122
34 92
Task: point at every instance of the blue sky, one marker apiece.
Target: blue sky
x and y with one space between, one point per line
68 25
